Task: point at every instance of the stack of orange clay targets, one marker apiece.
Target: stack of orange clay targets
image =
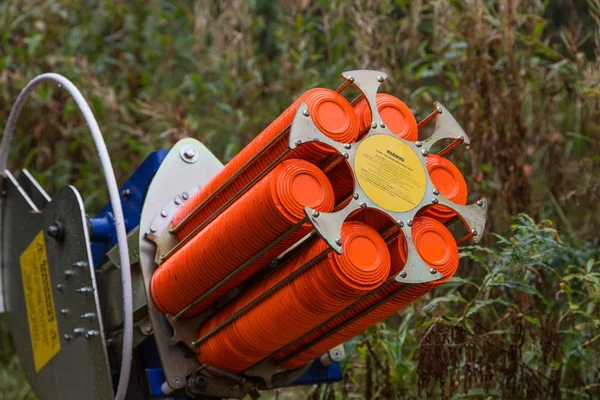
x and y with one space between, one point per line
258 198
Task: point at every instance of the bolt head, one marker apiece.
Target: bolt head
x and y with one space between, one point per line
64 311
338 241
153 229
351 79
347 146
439 110
380 78
126 193
355 196
148 329
316 214
67 336
60 287
362 204
474 232
381 124
409 222
298 142
480 203
177 200
401 224
424 152
436 192
403 274
374 125
418 143
164 213
305 113
434 200
177 381
461 137
185 196
433 271
345 155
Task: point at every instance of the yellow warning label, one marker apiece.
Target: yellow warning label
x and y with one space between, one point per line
37 287
390 173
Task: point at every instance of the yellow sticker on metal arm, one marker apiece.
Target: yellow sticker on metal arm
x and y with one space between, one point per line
390 173
43 328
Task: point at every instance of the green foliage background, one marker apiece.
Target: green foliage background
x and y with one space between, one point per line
522 76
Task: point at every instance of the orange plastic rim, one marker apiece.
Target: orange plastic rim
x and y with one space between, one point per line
262 214
447 178
332 114
394 113
311 298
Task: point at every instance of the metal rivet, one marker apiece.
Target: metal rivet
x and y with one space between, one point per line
185 195
424 152
379 78
434 200
409 222
188 154
68 273
88 316
177 200
316 214
400 224
345 155
418 143
153 229
90 334
164 213
85 289
337 353
126 193
480 203
78 331
305 113
439 110
351 79
436 192
474 232
177 381
347 146
68 336
461 137
362 204
64 311
403 274
80 264
355 196
298 142
338 241
433 271
148 329
381 124
60 287
374 125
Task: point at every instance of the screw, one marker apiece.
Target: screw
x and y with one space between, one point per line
185 195
80 264
403 274
305 113
374 125
362 204
433 271
480 203
345 155
316 214
60 287
177 381
351 79
164 213
189 153
64 311
90 334
400 224
474 232
409 222
418 143
298 142
379 78
338 241
436 192
434 200
56 230
381 124
88 316
153 229
355 196
347 146
68 273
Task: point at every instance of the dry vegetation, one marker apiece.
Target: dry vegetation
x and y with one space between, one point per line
522 76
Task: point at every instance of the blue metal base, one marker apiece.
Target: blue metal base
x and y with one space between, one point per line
103 236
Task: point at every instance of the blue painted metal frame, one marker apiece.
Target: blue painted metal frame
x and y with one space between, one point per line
103 237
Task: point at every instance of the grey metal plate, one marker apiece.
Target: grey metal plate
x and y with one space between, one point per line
79 370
